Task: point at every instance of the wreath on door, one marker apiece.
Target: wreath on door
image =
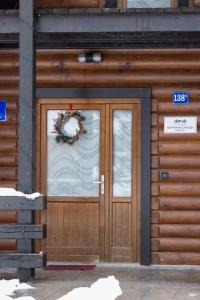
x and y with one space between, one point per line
68 127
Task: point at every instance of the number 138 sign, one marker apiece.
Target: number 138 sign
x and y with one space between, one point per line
180 97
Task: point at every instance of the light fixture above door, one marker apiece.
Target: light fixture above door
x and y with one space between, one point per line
90 57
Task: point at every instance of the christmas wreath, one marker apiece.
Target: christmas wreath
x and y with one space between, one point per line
68 127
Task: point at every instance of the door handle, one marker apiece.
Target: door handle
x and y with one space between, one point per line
101 183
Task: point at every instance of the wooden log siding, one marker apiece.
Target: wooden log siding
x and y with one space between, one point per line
176 201
91 3
69 3
197 3
8 144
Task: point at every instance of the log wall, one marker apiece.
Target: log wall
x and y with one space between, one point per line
175 201
70 3
94 3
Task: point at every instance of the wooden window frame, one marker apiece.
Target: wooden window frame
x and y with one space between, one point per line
122 4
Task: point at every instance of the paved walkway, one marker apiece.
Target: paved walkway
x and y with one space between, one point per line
137 283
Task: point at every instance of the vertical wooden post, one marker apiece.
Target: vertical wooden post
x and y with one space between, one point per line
182 3
145 258
26 121
111 3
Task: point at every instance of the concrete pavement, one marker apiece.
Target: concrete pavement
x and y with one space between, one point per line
136 282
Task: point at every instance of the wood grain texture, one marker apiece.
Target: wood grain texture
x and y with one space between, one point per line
19 260
121 232
8 245
16 231
174 258
179 162
175 231
78 225
22 203
8 140
8 160
197 3
174 201
177 203
175 217
8 173
67 3
8 217
180 147
179 189
175 245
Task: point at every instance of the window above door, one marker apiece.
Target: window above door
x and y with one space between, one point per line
124 4
14 4
149 3
157 3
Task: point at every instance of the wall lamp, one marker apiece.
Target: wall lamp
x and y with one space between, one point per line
89 58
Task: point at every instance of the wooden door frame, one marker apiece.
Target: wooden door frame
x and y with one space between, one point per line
144 94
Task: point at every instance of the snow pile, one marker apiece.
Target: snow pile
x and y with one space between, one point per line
8 287
13 192
104 288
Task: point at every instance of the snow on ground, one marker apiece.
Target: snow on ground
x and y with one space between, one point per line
8 287
104 288
13 192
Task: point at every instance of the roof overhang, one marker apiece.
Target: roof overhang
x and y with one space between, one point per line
139 27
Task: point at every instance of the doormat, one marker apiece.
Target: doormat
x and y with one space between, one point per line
70 267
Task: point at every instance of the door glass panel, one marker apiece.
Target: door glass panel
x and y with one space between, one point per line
148 3
122 153
72 169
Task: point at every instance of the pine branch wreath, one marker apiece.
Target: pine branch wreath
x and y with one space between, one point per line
62 137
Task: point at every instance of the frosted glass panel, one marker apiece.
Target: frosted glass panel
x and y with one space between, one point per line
122 153
148 3
71 169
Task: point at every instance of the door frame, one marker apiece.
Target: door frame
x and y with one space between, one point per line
144 94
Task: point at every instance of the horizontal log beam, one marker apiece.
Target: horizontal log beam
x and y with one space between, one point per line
176 203
160 20
22 260
52 93
175 217
21 231
8 217
22 203
67 4
110 40
179 162
175 258
8 160
7 245
115 22
179 189
134 40
175 244
175 231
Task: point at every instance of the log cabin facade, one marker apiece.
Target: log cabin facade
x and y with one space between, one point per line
109 225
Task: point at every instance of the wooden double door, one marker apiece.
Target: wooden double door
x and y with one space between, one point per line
92 185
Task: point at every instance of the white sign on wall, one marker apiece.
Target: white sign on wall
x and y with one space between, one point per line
180 124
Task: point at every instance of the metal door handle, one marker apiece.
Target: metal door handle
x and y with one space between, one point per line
101 183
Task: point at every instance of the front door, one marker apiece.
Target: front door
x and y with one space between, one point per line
89 168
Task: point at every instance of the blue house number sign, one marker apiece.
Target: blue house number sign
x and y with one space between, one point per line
180 98
2 110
